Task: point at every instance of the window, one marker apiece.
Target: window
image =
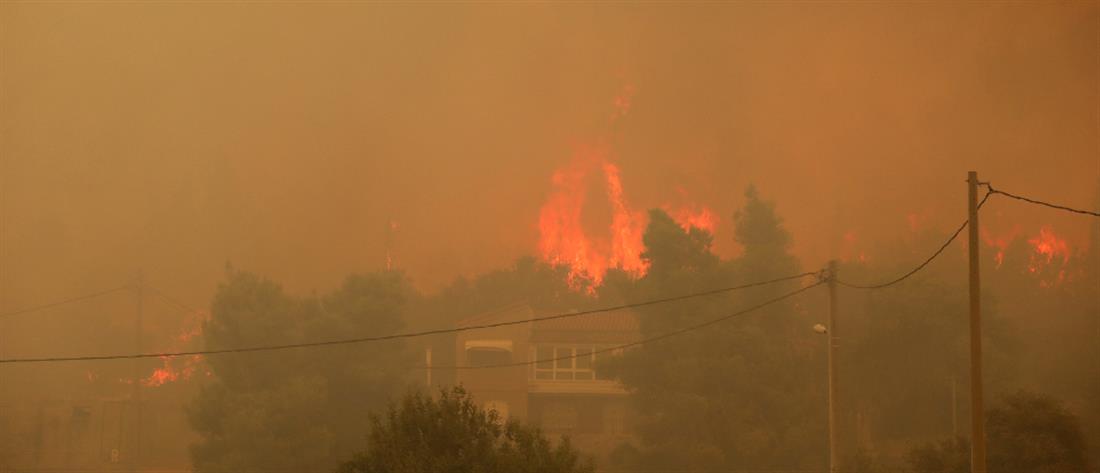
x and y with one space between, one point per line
544 362
570 362
487 357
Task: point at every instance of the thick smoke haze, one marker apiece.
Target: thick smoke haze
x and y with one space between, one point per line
308 141
285 137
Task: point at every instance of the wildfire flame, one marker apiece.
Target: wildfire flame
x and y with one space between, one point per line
563 239
693 217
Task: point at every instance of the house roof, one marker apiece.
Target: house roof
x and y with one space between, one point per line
615 321
620 326
612 326
515 311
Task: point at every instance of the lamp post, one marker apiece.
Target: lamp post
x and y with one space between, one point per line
831 332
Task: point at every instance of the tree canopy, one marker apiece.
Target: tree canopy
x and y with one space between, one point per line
296 409
741 394
1025 432
452 434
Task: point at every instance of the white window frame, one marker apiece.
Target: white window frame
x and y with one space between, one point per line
566 369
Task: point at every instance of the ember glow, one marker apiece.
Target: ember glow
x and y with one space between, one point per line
999 243
622 102
1051 256
1049 246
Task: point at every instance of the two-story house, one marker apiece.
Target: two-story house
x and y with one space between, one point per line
561 388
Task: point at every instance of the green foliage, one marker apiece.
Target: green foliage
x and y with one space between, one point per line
759 229
452 434
1026 432
528 280
671 251
742 394
906 347
1029 432
296 409
862 461
948 456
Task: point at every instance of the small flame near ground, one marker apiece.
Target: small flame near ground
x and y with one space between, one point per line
175 369
172 370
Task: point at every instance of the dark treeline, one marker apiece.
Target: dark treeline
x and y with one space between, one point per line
748 393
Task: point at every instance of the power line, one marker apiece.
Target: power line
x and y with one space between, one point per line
185 307
646 340
1039 202
170 300
397 336
66 301
919 266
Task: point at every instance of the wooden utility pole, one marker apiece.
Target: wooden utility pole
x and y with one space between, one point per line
954 407
832 336
977 411
135 455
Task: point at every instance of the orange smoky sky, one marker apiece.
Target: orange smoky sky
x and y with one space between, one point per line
307 141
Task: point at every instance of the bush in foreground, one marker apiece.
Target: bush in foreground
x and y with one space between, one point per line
452 434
